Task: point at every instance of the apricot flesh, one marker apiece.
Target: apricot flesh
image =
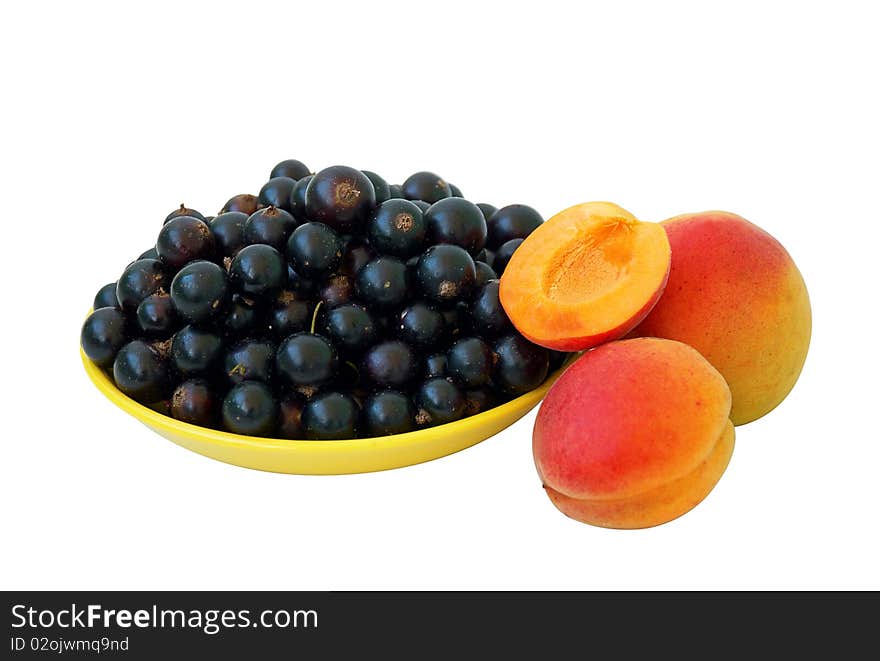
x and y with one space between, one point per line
735 295
588 275
634 434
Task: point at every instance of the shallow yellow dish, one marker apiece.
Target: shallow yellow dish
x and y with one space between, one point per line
360 455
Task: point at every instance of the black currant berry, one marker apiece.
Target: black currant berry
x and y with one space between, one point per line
106 297
557 358
194 402
478 400
456 221
351 328
455 191
383 283
520 366
446 273
503 255
355 255
257 270
336 291
276 193
397 227
421 325
290 410
156 317
330 416
422 205
271 226
469 362
244 203
250 360
298 198
290 168
305 359
241 316
391 364
184 239
515 221
487 314
439 401
388 412
289 313
198 291
194 351
141 372
380 186
395 192
149 253
455 320
139 280
340 196
425 186
228 231
305 287
487 210
182 210
250 409
485 273
103 334
314 250
435 366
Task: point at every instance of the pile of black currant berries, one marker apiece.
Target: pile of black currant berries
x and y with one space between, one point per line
330 306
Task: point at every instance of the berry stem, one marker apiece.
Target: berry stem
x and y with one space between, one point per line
315 316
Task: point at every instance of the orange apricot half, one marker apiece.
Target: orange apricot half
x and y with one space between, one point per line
588 275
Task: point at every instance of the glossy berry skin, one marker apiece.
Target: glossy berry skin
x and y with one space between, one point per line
198 291
520 366
455 191
487 257
244 203
271 226
241 316
337 290
388 412
355 256
290 409
249 360
478 400
487 314
503 255
314 250
140 279
485 273
156 316
340 197
398 228
391 364
425 186
301 286
435 365
351 328
469 362
456 221
276 193
297 205
330 416
380 186
103 334
194 402
383 283
439 401
487 210
141 373
195 351
149 253
257 270
289 313
290 168
422 205
515 221
305 359
421 325
184 239
183 210
106 297
445 274
249 408
395 192
228 232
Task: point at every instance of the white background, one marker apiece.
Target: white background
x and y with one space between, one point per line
115 113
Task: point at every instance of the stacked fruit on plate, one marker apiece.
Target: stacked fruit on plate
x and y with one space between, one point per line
329 306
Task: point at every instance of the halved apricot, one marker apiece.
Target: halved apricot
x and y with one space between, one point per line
588 275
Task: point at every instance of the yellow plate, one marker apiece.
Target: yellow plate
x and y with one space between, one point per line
360 455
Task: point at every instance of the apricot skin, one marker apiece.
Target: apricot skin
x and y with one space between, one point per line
736 296
634 434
